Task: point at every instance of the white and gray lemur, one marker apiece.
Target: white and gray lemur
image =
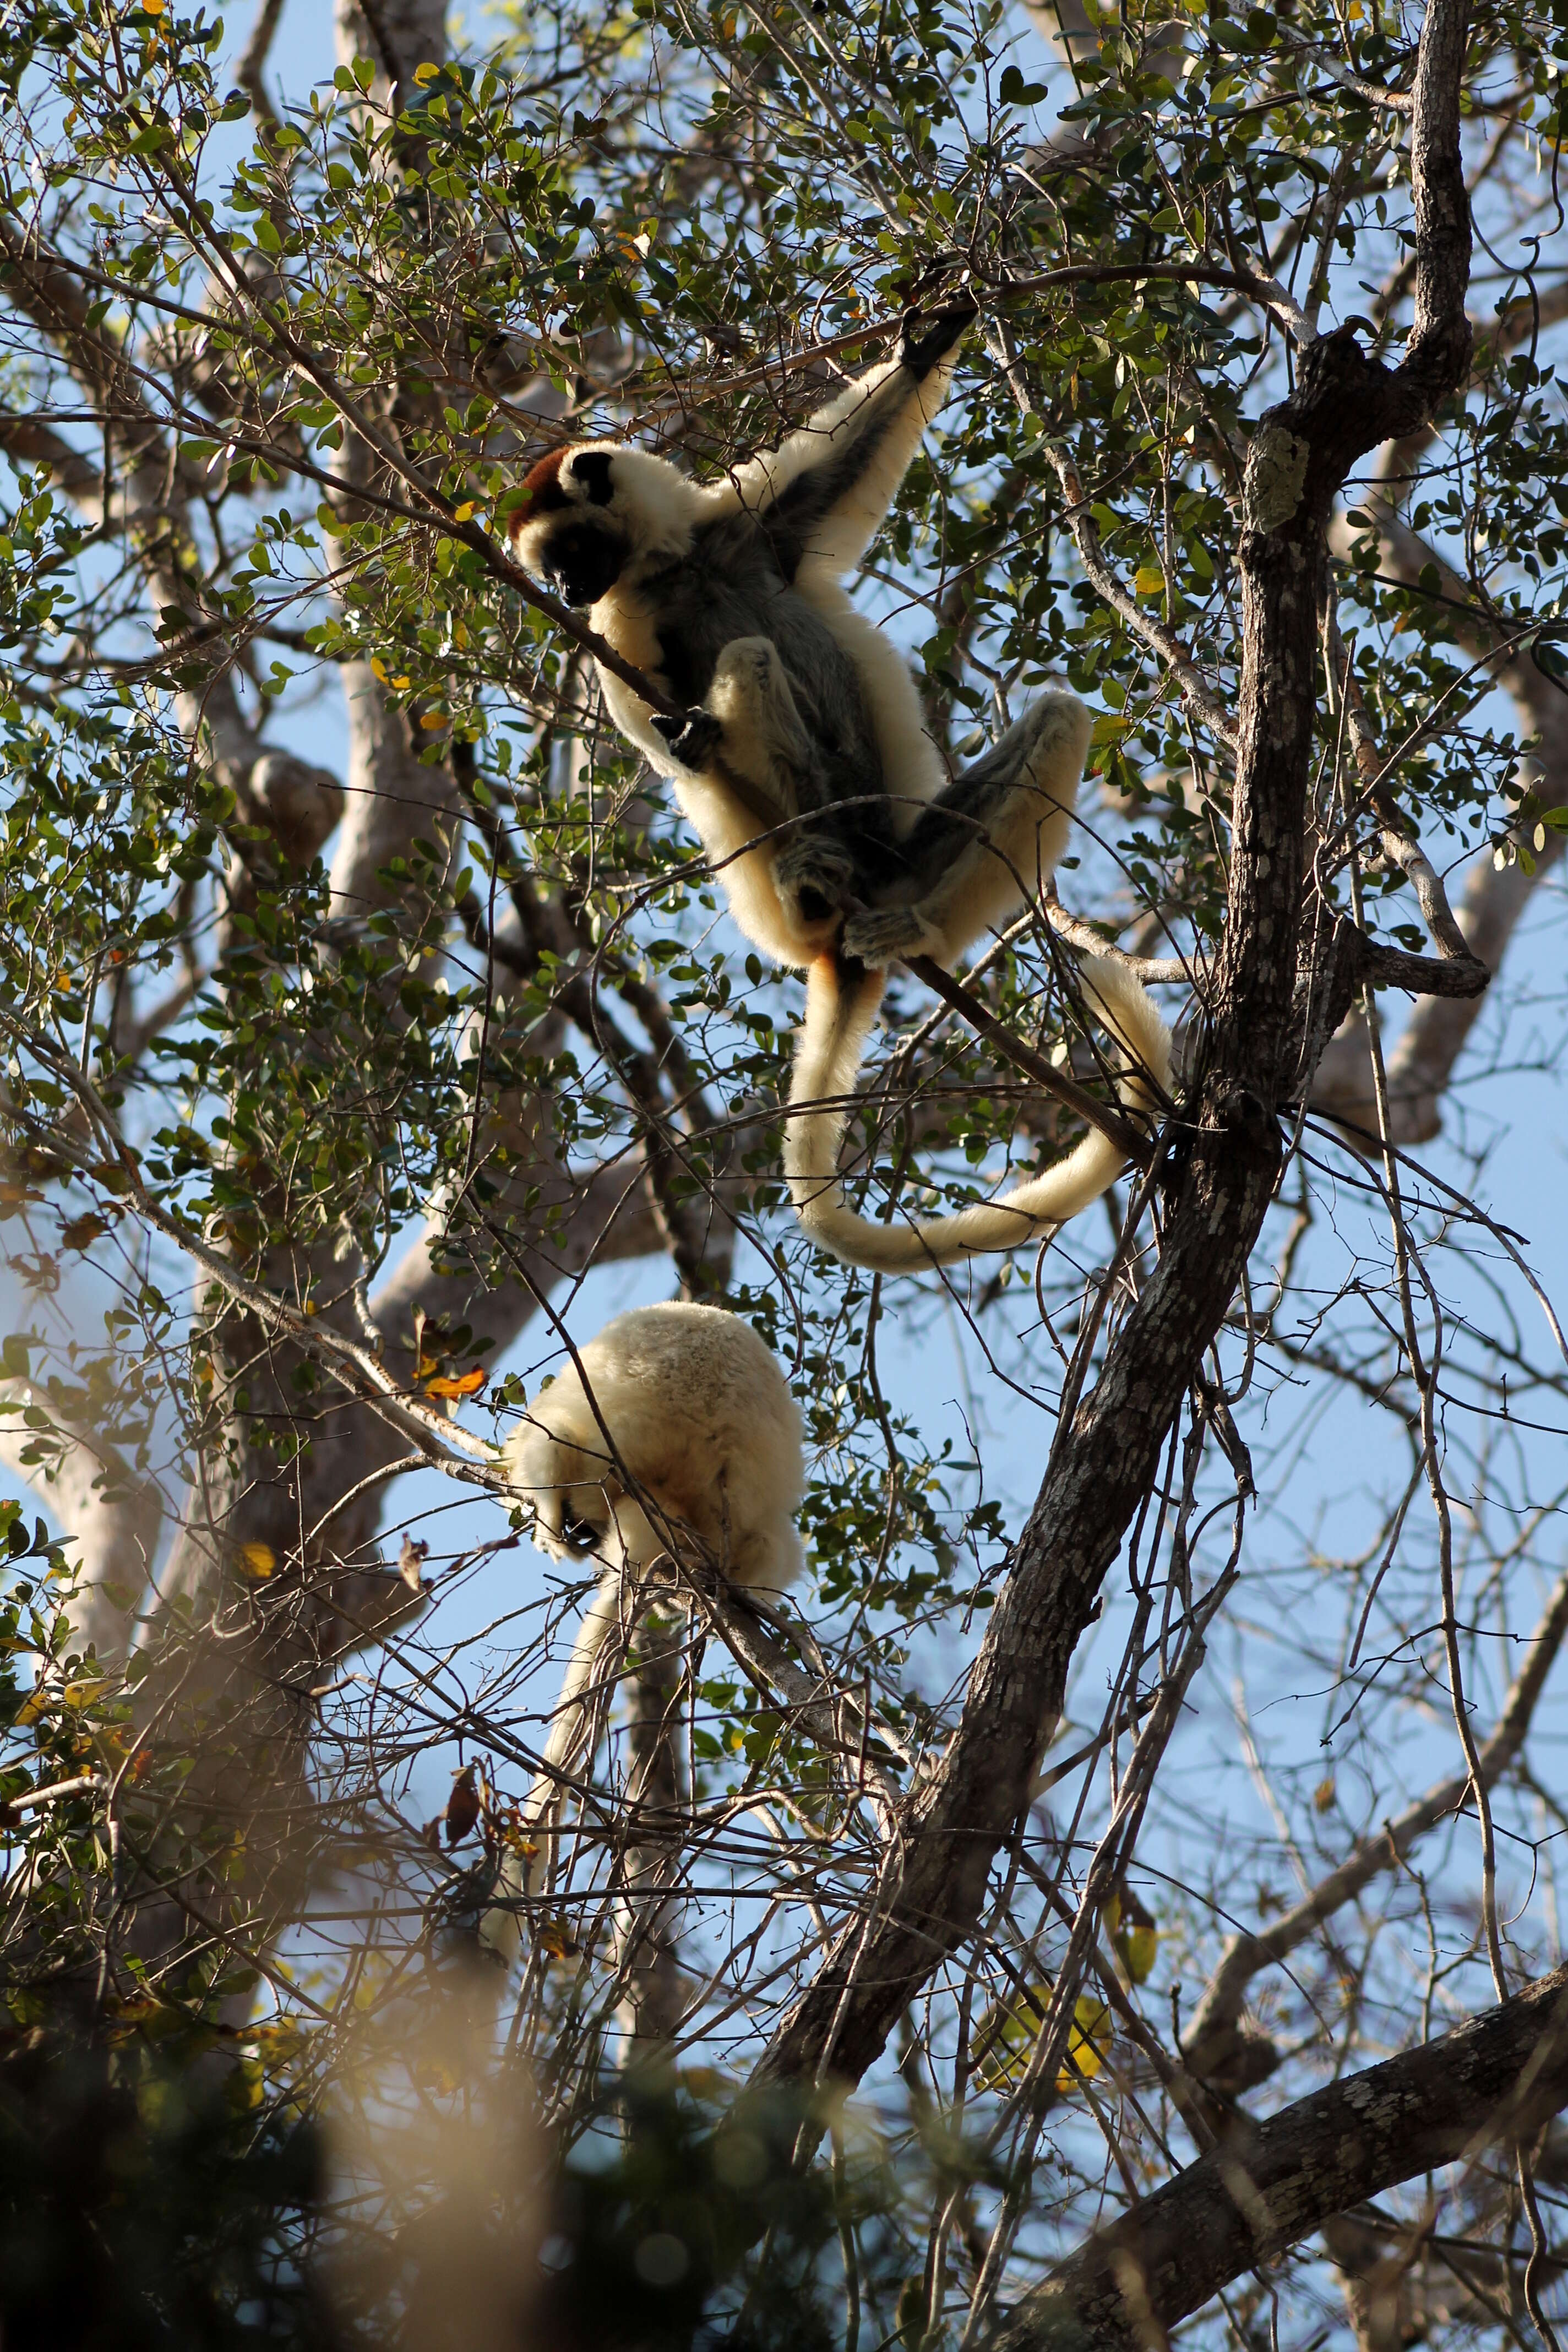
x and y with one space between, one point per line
805 764
672 1433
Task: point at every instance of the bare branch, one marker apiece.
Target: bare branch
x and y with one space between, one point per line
1161 640
1222 2002
1494 2079
248 73
1107 1453
1396 843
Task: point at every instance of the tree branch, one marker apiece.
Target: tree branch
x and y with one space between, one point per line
1498 2077
1162 640
1422 1063
1105 1456
248 73
1395 842
1221 2005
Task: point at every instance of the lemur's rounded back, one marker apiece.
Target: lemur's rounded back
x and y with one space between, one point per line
674 1429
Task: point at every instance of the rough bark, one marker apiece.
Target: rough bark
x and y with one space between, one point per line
1226 1165
1496 2078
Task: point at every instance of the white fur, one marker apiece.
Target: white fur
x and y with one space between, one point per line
658 512
827 1060
656 508
673 1435
912 769
850 529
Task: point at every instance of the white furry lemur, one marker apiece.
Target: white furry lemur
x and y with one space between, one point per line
671 1435
805 764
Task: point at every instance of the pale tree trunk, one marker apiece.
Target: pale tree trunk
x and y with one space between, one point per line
113 1513
244 1654
657 1796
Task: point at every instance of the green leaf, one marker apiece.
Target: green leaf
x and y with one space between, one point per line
1013 90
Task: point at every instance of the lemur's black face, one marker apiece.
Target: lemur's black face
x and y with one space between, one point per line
583 560
564 533
580 1536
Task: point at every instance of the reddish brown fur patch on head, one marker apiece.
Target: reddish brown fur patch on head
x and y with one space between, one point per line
545 495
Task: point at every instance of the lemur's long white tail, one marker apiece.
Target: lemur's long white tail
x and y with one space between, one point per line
501 1929
839 1021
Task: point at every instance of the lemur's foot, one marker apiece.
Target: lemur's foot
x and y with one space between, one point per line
887 933
815 878
692 739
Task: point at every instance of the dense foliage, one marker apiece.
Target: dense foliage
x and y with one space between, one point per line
362 1000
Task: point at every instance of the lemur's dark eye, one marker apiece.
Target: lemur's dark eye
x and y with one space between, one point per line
592 468
579 1535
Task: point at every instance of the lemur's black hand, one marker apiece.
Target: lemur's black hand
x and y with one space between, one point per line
929 335
693 737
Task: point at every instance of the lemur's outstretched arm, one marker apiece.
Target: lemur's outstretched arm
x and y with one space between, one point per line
823 493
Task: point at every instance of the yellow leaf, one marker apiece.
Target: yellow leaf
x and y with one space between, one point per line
1323 1795
1140 1949
464 1384
245 2088
426 72
1148 579
1134 1936
1088 2038
462 513
154 8
431 720
277 2042
555 1940
402 684
1007 2034
378 668
34 1705
257 1558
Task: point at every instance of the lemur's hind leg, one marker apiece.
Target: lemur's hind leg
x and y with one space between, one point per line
985 843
